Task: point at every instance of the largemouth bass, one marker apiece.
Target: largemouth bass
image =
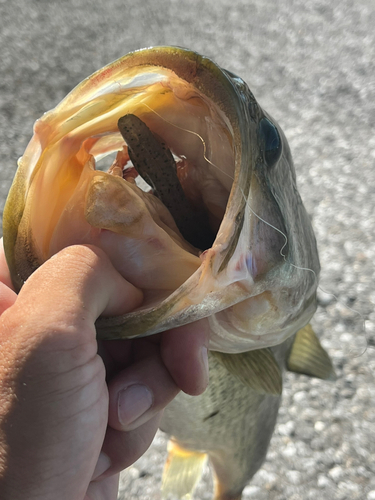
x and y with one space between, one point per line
200 210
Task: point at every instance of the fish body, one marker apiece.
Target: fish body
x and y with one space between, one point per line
238 249
231 423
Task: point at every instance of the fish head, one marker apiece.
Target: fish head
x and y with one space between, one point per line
254 278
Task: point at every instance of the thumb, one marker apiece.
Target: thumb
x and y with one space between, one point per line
71 290
82 277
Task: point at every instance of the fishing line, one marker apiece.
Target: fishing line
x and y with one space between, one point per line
319 287
199 137
232 178
283 255
204 150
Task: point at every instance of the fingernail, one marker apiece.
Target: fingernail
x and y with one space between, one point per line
133 402
206 369
102 465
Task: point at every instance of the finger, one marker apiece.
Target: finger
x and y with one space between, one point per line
4 270
7 297
107 489
86 270
74 287
139 392
184 352
119 350
122 449
116 354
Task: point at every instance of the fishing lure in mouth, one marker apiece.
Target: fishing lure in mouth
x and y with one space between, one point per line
155 164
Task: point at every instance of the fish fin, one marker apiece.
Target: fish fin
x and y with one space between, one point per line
307 356
182 471
258 369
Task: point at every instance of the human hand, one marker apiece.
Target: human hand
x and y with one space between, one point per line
64 431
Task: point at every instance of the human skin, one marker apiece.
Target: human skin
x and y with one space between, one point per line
65 433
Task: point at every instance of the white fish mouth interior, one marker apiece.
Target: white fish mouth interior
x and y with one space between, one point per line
201 145
197 134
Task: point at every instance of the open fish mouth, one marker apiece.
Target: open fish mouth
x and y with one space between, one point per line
199 208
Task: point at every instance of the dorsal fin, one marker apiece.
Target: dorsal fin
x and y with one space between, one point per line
182 471
307 356
256 369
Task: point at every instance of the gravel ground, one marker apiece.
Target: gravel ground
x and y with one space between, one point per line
310 64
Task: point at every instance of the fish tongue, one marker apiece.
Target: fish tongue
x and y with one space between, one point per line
144 249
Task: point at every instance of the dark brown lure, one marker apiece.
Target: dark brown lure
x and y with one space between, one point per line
154 162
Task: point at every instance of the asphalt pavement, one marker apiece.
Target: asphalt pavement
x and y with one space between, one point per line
311 65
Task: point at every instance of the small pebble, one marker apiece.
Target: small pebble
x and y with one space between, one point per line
289 451
251 492
287 429
324 481
299 396
336 473
293 476
267 477
346 337
324 299
319 426
349 486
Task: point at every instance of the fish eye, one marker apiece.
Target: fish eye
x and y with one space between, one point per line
270 140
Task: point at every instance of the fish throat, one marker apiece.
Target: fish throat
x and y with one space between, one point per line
155 163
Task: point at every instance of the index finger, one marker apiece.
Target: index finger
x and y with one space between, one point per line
7 294
68 293
4 270
184 353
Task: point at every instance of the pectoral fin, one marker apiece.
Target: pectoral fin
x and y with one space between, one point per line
182 471
307 356
255 369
